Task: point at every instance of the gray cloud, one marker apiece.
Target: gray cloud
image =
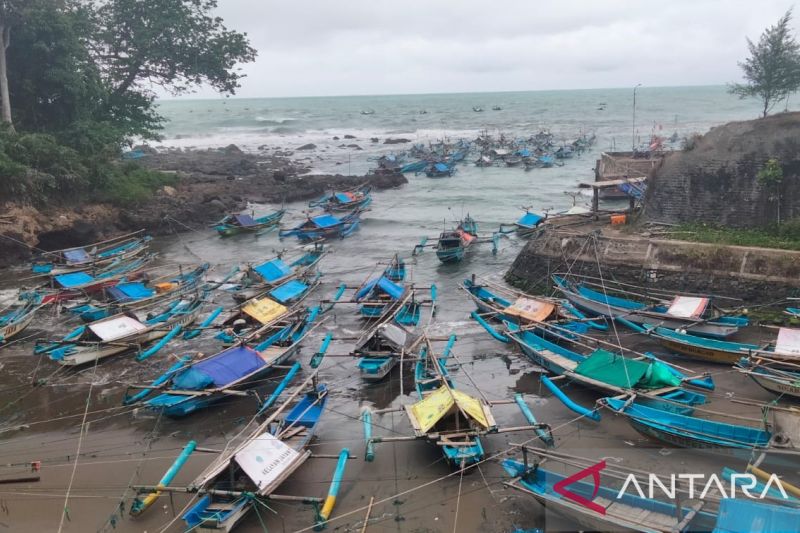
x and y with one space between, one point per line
338 47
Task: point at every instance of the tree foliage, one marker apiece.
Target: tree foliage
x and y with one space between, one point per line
82 76
772 72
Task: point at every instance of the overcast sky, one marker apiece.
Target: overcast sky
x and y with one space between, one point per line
342 47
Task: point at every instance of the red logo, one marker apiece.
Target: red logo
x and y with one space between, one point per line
593 471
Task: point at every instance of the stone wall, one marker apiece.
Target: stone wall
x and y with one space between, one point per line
756 275
715 181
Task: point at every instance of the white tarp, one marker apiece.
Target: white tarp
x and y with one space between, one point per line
265 458
394 335
788 341
117 328
687 306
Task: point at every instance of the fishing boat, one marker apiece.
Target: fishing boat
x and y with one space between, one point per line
234 224
452 245
655 382
349 200
440 170
689 313
477 109
396 270
254 315
123 332
502 303
512 160
63 287
325 226
785 349
251 467
18 316
559 493
374 295
382 349
772 376
231 485
91 256
529 224
193 385
416 166
793 312
257 279
685 431
484 161
136 294
449 418
496 108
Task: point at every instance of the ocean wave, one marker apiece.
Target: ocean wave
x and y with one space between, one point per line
276 121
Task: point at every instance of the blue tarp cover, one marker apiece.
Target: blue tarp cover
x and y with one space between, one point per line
220 370
343 198
529 220
325 221
741 514
73 279
77 255
392 289
524 152
273 270
441 167
245 220
131 291
288 291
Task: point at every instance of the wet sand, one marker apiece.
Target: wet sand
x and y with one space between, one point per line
121 447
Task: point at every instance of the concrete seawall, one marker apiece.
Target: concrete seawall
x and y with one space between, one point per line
757 275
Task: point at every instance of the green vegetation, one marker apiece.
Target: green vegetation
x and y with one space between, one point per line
771 177
772 72
785 236
77 86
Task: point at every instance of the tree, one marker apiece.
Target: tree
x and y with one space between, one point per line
771 177
772 72
10 14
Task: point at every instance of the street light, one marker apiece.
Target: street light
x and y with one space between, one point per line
633 123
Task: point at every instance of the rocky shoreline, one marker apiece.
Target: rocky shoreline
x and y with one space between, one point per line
210 184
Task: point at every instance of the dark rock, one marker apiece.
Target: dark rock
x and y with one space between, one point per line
354 147
336 138
396 141
375 139
309 146
232 149
349 136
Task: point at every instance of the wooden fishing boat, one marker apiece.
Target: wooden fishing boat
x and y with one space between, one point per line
501 303
18 316
452 245
786 347
653 381
256 280
629 512
195 385
396 271
325 226
63 287
440 170
449 418
231 485
252 316
136 294
416 166
374 296
121 333
381 350
235 224
691 432
793 311
529 224
773 376
349 200
91 256
690 313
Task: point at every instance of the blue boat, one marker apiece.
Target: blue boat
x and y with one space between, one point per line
689 313
235 224
323 227
195 385
92 256
770 375
396 271
688 431
257 279
793 312
349 200
440 170
453 244
529 224
380 350
416 166
630 512
652 380
127 295
500 303
234 482
376 294
18 316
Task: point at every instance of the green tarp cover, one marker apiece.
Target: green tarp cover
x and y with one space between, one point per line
619 371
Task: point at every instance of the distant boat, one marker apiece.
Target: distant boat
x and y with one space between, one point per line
367 111
497 108
423 112
477 109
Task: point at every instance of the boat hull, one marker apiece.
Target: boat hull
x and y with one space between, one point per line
780 387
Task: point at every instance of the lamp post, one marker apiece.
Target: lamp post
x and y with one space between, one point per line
633 122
